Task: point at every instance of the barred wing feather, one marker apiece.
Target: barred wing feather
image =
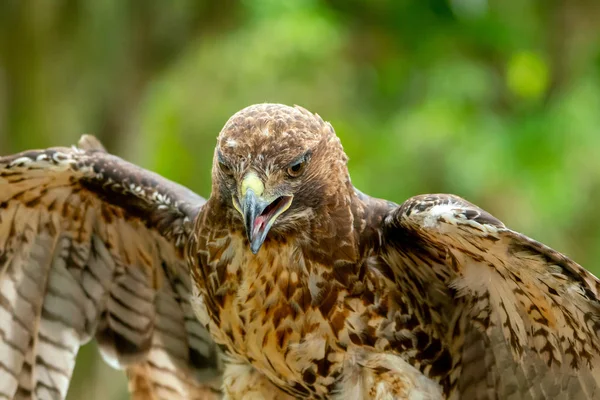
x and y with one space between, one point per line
93 247
522 321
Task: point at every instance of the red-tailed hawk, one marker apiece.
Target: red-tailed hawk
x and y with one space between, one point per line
312 288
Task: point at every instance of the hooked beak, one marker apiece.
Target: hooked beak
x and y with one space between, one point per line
259 214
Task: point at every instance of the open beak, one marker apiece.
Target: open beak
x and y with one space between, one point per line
259 213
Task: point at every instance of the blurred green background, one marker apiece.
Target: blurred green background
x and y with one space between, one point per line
495 100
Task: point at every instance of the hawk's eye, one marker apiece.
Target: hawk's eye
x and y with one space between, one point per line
224 166
297 168
226 169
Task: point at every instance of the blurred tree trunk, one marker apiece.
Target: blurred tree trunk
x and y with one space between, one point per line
57 54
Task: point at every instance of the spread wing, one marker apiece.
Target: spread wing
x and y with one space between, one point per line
92 247
520 319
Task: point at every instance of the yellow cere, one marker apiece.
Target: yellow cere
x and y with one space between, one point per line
252 181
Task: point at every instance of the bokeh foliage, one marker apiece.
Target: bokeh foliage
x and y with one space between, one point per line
495 100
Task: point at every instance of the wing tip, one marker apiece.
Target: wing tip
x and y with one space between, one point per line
90 142
431 209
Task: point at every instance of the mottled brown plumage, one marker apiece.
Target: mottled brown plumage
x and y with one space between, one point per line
312 288
350 296
92 246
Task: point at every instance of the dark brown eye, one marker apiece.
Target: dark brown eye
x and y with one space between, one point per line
226 169
296 169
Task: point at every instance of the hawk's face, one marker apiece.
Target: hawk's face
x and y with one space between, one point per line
277 166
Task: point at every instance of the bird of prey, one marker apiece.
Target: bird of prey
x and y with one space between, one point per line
310 288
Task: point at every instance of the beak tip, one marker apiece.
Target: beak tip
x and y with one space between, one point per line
254 248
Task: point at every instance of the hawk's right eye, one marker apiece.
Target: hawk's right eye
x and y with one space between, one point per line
224 166
226 169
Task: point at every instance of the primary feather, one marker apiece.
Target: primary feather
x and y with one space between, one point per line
91 246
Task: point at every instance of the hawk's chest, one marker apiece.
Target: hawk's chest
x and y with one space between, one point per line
265 312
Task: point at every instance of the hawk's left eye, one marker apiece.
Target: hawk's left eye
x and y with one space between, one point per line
297 168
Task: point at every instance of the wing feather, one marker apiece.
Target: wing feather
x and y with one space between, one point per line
92 247
529 317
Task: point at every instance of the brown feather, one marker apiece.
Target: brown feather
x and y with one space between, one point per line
92 246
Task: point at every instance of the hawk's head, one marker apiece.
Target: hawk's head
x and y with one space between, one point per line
278 166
